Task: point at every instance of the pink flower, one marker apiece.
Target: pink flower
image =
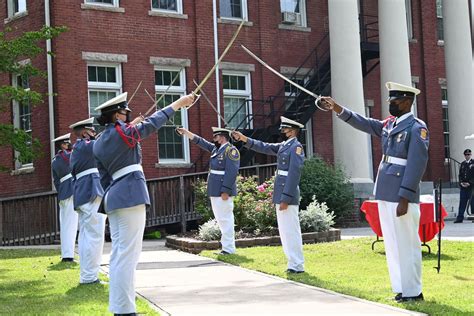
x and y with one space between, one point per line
269 193
261 188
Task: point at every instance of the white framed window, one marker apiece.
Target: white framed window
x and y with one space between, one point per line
409 19
22 116
293 12
237 99
233 9
444 104
414 106
16 7
110 3
306 134
104 81
439 19
172 148
174 6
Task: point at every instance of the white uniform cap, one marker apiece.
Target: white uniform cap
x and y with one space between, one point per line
84 123
469 136
116 103
64 138
286 122
397 90
218 131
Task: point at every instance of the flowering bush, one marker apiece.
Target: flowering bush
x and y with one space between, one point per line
210 231
316 217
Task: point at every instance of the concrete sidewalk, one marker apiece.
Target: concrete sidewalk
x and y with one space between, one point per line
184 284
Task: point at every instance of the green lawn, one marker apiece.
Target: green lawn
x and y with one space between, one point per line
351 267
36 282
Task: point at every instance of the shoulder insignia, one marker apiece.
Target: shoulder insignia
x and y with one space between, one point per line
299 150
423 133
234 154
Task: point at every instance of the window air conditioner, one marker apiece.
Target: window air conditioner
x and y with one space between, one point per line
291 18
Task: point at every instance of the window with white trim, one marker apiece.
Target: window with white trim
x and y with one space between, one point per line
409 19
237 96
22 116
173 6
414 105
439 19
444 104
16 7
104 81
172 148
233 9
112 3
306 135
293 12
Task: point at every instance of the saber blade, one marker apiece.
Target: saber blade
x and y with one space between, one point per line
212 105
208 75
279 74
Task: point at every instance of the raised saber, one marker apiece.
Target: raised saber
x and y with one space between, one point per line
209 74
314 95
212 105
135 92
163 94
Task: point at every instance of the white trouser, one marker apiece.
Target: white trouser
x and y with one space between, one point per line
126 230
402 247
68 227
91 240
224 214
290 235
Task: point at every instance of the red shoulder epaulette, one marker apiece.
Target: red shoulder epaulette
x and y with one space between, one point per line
132 140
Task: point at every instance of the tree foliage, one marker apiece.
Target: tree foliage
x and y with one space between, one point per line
12 51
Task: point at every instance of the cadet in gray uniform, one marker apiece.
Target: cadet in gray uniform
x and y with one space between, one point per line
119 157
286 192
63 182
88 195
221 182
405 155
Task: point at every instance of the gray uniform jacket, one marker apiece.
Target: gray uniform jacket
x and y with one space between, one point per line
290 156
61 168
119 147
225 159
87 187
408 140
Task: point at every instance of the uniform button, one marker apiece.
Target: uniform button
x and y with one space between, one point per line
398 173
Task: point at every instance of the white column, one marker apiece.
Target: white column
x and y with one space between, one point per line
351 147
394 53
459 75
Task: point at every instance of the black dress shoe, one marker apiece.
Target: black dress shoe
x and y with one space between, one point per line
130 314
411 298
458 221
292 271
398 297
222 253
67 260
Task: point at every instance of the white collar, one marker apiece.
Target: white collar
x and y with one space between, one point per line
401 118
288 140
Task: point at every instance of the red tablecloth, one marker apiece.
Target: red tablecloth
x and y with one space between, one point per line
428 221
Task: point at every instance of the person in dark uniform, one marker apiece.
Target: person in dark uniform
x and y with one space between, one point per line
88 195
221 183
405 143
466 183
119 158
63 182
286 192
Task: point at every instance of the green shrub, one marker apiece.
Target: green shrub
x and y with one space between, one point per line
202 204
210 231
316 218
153 235
328 184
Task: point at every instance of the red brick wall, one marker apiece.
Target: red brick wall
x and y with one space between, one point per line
140 36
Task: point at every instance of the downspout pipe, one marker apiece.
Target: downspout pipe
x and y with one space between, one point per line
49 66
216 58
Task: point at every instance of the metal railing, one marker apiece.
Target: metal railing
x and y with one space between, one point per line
451 169
33 219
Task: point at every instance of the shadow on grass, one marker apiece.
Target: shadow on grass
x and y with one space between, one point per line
425 255
234 259
62 266
429 307
27 253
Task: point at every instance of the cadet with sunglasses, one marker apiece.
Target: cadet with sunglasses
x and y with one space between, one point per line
466 183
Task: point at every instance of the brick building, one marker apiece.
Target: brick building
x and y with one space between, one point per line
111 46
